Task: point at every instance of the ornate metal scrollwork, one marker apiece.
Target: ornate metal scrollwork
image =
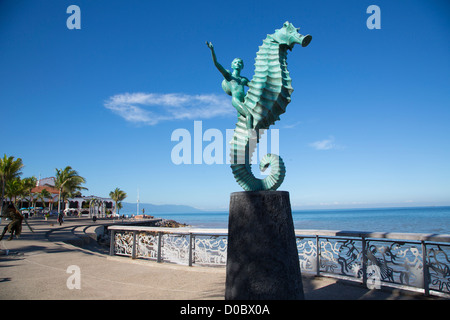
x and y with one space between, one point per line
123 243
147 245
438 267
211 250
398 262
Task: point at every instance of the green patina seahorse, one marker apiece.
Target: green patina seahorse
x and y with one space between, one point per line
268 95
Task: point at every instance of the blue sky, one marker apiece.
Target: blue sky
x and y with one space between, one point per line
368 124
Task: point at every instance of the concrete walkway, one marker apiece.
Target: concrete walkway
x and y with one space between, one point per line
40 265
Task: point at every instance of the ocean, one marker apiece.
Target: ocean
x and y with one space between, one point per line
406 220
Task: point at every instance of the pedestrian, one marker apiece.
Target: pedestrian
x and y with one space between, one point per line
60 218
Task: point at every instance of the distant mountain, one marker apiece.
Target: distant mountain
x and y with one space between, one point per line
155 208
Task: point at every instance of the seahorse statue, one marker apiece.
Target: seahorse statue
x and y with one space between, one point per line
268 95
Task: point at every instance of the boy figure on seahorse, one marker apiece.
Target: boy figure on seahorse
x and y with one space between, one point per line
234 84
268 95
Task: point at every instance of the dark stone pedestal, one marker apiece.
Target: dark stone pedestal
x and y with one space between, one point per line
262 257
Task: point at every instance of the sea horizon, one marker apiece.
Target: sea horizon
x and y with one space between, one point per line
418 219
313 208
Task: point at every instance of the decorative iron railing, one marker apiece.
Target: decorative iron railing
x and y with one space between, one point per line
177 245
410 261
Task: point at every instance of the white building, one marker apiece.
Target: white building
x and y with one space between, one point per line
90 205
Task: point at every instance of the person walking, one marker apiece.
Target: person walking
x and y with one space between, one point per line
60 218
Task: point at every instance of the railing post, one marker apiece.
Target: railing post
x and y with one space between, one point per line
159 247
318 256
133 252
426 287
191 237
112 242
364 261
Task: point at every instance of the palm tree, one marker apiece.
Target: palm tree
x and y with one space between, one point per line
118 196
42 195
14 189
68 181
27 185
9 170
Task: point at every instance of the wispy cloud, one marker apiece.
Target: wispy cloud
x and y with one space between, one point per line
291 125
152 108
326 144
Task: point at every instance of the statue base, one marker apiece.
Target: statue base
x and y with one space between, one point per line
262 256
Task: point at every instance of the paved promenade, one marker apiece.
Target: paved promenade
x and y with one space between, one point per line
35 266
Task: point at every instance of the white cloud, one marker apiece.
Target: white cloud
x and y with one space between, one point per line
152 108
292 125
326 144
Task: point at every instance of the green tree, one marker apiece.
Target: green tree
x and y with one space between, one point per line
10 169
118 196
14 189
27 185
42 195
68 181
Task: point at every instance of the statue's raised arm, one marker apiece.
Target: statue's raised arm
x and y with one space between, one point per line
226 74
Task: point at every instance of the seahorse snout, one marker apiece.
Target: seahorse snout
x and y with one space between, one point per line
301 39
